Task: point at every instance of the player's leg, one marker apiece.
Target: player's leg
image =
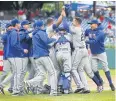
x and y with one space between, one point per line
59 71
54 57
67 72
53 77
89 72
76 58
103 59
82 75
37 81
32 71
6 70
10 89
23 73
17 66
94 66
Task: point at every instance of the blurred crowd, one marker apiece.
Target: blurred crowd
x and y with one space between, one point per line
105 16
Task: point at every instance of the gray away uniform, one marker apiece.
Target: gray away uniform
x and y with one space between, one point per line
79 53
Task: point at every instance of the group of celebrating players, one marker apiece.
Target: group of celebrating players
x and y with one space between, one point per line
60 50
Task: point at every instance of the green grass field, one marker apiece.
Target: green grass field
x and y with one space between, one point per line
106 95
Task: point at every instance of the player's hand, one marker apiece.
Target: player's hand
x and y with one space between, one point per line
50 35
63 8
25 51
63 12
55 37
30 35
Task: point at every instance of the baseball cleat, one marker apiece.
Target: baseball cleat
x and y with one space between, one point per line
18 94
47 87
2 90
99 89
10 90
85 91
78 90
55 94
45 91
102 84
112 87
26 87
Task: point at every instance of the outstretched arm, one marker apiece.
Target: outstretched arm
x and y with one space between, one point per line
95 40
61 17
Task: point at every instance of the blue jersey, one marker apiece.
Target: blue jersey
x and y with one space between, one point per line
4 40
14 48
29 40
96 41
23 41
41 44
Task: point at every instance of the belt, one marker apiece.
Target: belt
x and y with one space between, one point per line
65 49
35 58
79 47
40 57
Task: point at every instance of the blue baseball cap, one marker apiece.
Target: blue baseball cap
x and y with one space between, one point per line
61 27
25 22
64 27
8 25
39 23
15 21
94 22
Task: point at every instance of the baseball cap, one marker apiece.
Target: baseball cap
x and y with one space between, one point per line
61 28
94 22
25 22
8 25
39 23
15 21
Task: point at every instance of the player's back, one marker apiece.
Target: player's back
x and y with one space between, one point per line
63 42
78 37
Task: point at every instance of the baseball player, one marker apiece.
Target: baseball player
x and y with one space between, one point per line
6 65
42 60
96 42
25 45
50 30
77 56
6 68
14 54
31 64
63 56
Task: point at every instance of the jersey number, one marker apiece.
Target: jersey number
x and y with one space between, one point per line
82 37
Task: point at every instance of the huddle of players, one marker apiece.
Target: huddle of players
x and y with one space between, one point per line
68 57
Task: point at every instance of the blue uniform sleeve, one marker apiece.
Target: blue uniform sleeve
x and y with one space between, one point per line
95 40
68 27
28 37
87 32
15 41
22 35
65 24
4 37
54 26
43 36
